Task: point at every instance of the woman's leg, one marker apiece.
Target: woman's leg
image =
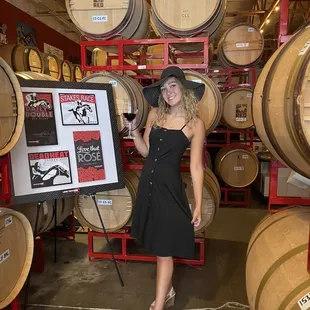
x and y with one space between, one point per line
164 280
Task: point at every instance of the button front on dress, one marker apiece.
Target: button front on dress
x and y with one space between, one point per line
161 217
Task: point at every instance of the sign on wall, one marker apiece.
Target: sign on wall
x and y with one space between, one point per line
3 34
50 49
69 144
25 34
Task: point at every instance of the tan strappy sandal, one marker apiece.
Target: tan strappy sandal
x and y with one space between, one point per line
169 300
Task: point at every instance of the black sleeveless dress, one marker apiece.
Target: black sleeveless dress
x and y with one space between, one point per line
162 217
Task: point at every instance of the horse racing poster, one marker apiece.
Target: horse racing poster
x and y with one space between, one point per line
49 168
78 109
40 124
69 144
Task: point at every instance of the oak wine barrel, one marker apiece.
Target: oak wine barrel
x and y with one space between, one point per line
111 19
236 167
66 71
183 18
240 46
87 73
77 73
100 58
128 96
12 109
16 252
46 220
185 160
211 105
184 58
237 108
210 201
22 58
156 53
52 66
35 76
276 264
115 206
281 103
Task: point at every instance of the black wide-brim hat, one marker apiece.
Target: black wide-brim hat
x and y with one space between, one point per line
152 92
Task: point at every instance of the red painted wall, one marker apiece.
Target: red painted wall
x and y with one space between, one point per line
9 15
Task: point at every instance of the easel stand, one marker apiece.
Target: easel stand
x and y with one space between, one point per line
107 238
39 204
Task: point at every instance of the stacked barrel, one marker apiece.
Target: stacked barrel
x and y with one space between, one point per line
30 63
277 108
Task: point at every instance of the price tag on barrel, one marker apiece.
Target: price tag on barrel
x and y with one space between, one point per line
304 302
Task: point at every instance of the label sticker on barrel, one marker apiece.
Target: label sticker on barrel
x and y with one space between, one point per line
8 221
98 3
49 168
113 83
40 126
304 50
245 156
78 109
241 112
240 168
104 202
4 256
89 157
99 18
240 119
249 95
242 45
304 302
250 29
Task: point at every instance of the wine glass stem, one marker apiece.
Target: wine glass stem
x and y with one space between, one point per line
129 127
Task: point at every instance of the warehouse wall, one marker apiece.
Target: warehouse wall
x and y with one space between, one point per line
9 15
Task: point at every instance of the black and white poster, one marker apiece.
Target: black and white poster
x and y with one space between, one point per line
78 109
49 168
86 158
40 123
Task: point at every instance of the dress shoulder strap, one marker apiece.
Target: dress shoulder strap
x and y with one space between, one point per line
185 125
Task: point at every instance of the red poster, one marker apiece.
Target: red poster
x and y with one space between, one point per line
89 158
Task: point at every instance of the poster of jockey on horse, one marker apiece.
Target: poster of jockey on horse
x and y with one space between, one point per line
40 123
78 109
49 169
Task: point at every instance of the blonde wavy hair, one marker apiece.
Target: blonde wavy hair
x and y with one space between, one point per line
188 103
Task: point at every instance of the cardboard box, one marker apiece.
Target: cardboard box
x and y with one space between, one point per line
285 189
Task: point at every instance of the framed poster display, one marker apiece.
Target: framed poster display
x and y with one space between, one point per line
69 144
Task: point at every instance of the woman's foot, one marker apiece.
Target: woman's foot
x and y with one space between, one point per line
169 300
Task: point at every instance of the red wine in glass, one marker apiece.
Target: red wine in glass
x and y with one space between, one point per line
130 117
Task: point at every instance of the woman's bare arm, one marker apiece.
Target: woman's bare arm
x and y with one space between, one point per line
196 167
142 143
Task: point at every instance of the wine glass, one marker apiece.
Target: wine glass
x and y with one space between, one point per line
130 117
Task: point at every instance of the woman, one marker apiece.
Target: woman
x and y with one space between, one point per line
162 221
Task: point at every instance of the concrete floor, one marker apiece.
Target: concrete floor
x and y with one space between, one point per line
75 283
